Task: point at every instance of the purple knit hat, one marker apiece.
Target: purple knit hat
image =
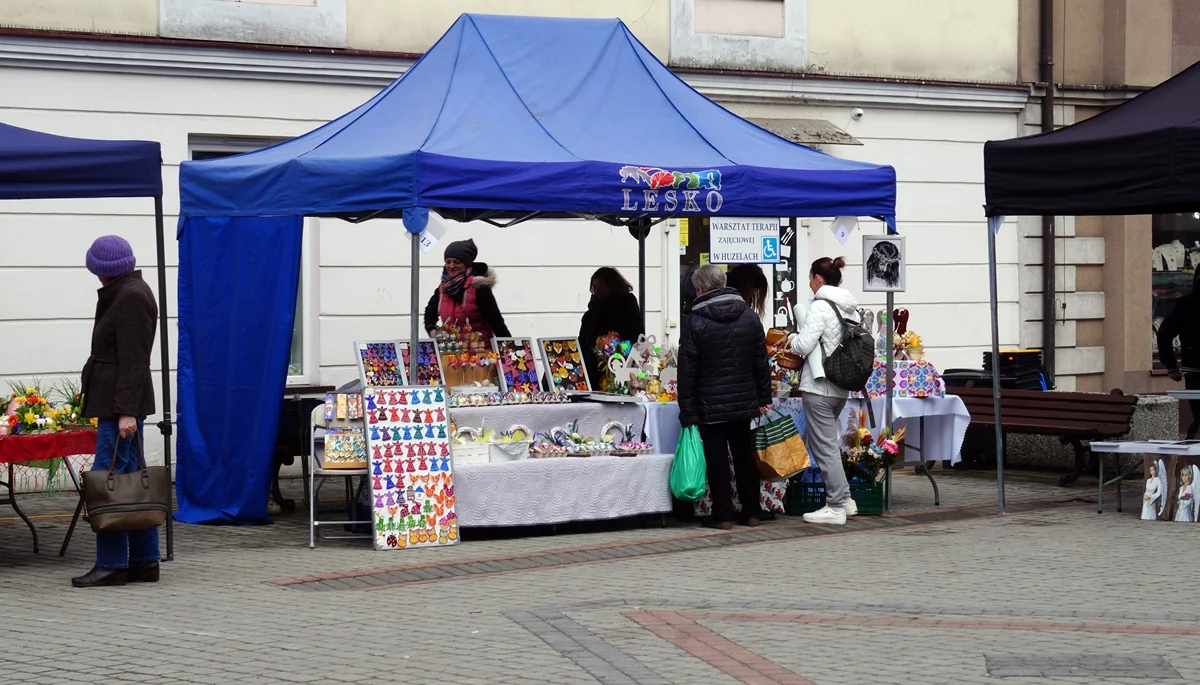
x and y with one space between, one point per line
110 257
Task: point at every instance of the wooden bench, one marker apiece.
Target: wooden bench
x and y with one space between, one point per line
1073 416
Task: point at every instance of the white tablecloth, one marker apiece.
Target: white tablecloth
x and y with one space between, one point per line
560 489
542 417
662 425
946 421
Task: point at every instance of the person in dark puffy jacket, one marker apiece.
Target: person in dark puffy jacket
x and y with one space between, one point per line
724 383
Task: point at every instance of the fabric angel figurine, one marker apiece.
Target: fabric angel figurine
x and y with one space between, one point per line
1155 498
1186 506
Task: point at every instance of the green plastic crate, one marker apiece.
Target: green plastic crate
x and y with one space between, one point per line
868 497
803 496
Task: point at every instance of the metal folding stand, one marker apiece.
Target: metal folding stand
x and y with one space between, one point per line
11 500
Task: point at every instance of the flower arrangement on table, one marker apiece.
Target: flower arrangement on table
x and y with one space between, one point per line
864 457
29 410
567 441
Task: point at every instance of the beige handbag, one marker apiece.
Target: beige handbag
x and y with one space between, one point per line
127 501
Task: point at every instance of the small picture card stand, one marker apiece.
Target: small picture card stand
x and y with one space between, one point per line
517 364
430 370
564 365
379 363
411 470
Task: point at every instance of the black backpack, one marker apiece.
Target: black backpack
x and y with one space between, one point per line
850 365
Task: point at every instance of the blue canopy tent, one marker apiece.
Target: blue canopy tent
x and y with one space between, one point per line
505 118
36 165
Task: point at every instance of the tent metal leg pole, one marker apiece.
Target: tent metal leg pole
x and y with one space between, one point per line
642 275
890 379
415 323
993 228
164 347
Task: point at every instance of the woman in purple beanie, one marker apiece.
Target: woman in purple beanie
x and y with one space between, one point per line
118 391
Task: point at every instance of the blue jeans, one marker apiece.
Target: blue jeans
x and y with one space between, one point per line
117 550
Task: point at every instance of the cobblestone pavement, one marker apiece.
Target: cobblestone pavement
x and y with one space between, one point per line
1051 593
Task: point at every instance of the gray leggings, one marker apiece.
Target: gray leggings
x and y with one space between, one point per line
823 432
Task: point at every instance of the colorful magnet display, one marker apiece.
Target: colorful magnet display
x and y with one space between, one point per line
345 449
379 364
518 365
429 364
564 364
412 483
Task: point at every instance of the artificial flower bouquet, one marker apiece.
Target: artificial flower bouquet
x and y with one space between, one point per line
29 410
865 457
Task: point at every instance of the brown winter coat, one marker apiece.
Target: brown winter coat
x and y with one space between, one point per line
116 378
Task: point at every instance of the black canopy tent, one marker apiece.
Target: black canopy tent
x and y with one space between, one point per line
36 165
1142 157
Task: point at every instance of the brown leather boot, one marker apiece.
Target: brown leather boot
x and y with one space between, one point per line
101 577
144 573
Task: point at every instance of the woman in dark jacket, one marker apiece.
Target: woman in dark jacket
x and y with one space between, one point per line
612 309
724 383
465 295
119 393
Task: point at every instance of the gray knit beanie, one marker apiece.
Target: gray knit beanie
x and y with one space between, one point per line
110 257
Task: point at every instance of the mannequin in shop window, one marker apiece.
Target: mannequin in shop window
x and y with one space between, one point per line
1184 323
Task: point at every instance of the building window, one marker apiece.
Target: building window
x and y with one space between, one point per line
1176 241
758 35
303 361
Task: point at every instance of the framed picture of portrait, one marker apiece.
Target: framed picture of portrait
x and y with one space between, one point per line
884 264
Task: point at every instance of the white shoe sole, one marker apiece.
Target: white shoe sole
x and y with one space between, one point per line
827 522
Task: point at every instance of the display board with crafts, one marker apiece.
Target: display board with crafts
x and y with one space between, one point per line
411 469
565 371
379 363
342 439
465 358
429 362
516 365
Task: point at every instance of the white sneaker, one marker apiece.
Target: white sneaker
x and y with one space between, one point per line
827 514
850 507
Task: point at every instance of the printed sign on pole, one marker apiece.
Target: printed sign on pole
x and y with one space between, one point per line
743 240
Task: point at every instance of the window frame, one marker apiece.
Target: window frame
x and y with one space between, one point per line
308 290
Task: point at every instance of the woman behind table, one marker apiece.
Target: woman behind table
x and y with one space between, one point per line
613 308
819 334
751 283
465 295
119 393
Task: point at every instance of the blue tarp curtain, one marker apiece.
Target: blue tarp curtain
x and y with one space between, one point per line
237 304
502 113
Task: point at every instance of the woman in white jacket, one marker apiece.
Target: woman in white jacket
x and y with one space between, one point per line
820 332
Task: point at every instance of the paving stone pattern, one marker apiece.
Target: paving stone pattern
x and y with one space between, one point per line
1080 666
950 596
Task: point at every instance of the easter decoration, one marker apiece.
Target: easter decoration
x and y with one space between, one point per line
517 364
565 369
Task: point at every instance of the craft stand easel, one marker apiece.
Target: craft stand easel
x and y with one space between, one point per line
1170 452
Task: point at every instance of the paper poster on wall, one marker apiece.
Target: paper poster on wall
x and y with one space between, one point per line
684 237
883 264
743 240
412 481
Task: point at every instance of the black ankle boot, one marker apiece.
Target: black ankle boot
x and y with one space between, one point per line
146 572
101 577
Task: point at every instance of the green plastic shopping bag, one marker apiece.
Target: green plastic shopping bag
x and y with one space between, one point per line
688 479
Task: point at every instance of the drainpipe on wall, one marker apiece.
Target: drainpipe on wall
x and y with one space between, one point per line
1046 75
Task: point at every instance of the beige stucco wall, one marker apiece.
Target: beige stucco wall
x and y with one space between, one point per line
943 39
128 17
412 26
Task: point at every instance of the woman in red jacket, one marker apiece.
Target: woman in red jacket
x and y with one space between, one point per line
465 295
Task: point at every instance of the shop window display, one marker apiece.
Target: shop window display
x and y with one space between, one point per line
1176 254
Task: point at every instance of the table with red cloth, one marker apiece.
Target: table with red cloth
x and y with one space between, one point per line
18 449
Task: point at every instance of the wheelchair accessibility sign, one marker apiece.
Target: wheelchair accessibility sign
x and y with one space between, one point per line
743 240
